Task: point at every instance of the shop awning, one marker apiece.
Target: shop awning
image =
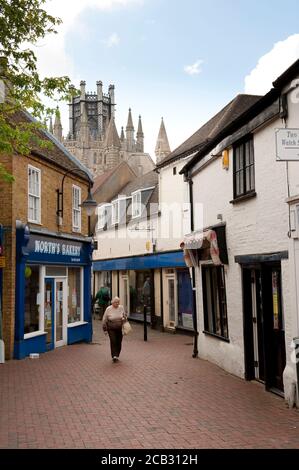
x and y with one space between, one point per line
203 245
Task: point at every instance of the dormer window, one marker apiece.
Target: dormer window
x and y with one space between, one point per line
104 216
136 204
115 212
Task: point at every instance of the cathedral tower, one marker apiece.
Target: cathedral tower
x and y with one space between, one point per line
162 146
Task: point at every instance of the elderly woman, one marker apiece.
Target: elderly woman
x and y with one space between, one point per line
113 319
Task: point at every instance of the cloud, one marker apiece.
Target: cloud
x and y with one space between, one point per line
112 40
193 69
271 65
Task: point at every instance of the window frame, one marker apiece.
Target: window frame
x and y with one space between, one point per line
31 195
243 167
115 212
76 210
138 204
217 302
101 210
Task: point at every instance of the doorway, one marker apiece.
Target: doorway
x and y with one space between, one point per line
264 339
55 312
170 300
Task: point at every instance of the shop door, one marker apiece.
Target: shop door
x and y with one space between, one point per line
185 299
60 313
171 300
275 353
49 312
55 312
265 356
125 293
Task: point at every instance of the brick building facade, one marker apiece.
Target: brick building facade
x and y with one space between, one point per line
50 167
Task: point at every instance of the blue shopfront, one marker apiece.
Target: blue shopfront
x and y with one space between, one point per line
161 281
53 291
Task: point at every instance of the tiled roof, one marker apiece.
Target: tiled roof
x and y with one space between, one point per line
58 154
148 180
210 129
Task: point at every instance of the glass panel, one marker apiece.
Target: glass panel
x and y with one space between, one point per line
140 292
74 295
57 271
171 299
251 151
247 153
241 157
48 299
237 154
32 300
126 295
59 310
252 180
248 186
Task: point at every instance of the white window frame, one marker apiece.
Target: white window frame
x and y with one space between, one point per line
115 212
76 208
81 321
37 196
136 205
101 211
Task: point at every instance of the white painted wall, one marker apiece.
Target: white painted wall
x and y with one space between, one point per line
174 206
256 226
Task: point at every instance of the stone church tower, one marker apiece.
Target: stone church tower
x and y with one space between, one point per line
162 149
93 137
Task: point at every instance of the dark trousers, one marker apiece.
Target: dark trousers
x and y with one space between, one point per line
116 337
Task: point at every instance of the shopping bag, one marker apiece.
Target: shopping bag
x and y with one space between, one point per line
126 328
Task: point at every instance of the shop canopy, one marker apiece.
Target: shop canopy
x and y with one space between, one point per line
203 245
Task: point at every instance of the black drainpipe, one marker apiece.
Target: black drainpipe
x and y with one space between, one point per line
161 299
195 346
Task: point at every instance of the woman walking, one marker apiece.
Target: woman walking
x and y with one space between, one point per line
113 320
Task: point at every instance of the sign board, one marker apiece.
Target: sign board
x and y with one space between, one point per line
187 320
287 144
2 262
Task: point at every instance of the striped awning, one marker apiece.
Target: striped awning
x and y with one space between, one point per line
194 242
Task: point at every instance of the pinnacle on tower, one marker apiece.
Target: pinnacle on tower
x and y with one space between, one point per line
122 134
130 126
112 138
51 126
162 146
139 137
57 125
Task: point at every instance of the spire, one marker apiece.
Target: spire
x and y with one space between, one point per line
51 125
130 133
139 137
57 125
122 134
162 145
139 130
112 138
130 126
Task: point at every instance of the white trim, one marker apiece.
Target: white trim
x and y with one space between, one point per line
101 210
76 210
136 205
37 197
34 333
77 323
115 212
82 294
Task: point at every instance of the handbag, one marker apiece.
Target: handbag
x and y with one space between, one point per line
126 328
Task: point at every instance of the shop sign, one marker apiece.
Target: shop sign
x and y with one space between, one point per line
287 145
53 250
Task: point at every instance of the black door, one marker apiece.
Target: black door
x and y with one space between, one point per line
274 337
264 339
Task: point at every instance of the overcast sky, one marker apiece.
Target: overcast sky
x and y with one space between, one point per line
183 60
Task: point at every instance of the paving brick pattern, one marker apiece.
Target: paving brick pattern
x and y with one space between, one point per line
157 396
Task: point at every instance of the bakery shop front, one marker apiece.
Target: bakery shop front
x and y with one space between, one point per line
53 290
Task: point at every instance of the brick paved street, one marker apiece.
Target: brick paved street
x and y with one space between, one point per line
157 396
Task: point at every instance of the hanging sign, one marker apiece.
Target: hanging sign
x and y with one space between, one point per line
287 144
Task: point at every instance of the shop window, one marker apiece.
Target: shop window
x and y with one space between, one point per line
140 291
76 209
214 298
34 195
75 312
32 299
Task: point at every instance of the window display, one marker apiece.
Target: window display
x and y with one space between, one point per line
32 299
74 295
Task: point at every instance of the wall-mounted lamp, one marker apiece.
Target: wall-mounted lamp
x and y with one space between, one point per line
225 159
89 204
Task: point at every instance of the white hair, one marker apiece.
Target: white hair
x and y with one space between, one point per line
115 299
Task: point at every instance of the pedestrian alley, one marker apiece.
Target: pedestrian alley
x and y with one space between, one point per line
157 396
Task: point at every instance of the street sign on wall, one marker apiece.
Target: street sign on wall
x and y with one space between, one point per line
287 144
